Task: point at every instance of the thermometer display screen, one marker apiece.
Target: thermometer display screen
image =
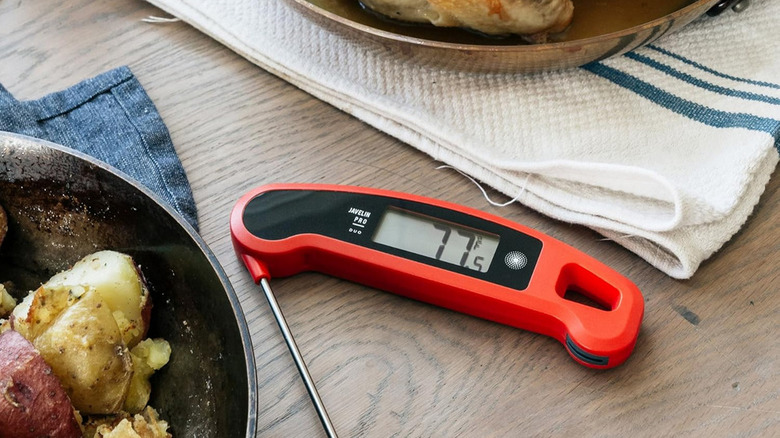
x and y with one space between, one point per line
440 240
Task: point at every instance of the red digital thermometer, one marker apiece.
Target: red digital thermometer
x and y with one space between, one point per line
444 254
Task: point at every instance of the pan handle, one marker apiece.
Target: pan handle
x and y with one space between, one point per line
735 5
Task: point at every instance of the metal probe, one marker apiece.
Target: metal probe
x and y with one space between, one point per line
296 354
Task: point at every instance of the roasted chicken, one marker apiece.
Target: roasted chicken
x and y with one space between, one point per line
535 18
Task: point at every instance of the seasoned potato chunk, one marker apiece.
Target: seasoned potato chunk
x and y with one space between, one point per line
7 302
86 351
87 324
148 356
115 277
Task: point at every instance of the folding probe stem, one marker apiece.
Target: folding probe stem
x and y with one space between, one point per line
296 354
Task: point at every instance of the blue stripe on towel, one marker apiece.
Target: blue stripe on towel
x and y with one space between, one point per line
701 83
694 111
711 71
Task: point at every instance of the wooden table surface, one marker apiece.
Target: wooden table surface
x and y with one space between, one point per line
707 362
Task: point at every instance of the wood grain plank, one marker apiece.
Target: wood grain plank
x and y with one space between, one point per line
706 363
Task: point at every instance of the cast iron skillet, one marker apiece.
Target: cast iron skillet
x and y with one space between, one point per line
63 205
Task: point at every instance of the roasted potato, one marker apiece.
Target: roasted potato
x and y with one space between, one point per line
85 350
39 309
32 401
85 321
146 424
148 356
7 302
116 278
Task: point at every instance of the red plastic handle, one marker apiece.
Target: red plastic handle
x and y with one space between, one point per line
596 336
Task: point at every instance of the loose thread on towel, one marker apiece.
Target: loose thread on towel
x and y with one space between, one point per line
516 198
484 193
158 20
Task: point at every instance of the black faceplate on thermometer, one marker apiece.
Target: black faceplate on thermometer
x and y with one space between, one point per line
354 217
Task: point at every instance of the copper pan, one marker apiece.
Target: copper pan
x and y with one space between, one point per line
517 58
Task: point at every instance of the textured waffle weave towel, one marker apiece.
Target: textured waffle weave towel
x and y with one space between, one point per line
665 150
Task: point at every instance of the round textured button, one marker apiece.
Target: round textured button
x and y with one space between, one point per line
515 260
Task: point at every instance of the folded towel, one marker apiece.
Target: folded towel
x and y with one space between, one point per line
109 117
665 150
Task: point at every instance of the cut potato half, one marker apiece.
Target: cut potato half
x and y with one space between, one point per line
85 350
116 278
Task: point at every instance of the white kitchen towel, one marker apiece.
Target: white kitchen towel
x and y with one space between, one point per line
665 150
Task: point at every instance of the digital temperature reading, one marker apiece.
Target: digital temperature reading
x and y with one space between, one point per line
444 254
436 239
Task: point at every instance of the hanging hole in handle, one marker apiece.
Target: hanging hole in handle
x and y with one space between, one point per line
576 296
582 286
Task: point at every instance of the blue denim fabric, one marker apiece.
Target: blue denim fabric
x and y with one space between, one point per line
111 118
